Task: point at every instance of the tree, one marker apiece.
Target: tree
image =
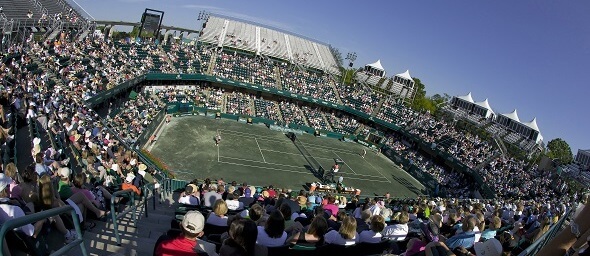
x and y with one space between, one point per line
337 56
559 149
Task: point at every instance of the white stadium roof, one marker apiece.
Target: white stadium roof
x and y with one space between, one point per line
467 98
485 104
513 116
405 75
533 124
376 65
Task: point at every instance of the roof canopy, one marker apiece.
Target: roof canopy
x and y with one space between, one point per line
533 124
467 97
376 65
405 75
513 116
485 104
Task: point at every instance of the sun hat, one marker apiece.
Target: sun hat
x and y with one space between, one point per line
193 222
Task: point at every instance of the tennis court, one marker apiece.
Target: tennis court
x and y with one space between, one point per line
258 155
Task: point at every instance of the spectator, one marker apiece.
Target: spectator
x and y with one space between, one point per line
314 234
374 234
273 233
242 240
217 217
192 228
190 196
346 235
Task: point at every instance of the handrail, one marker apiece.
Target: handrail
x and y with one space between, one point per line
145 190
545 238
28 219
115 216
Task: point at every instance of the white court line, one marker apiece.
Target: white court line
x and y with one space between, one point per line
312 146
377 170
297 154
283 170
344 162
218 153
295 166
260 149
255 161
327 148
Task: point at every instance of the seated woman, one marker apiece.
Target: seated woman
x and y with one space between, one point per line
217 217
314 234
346 235
273 233
65 193
241 241
374 234
47 199
97 195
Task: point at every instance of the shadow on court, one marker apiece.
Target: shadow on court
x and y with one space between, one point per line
408 185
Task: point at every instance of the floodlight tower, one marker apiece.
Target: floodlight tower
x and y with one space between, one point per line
351 57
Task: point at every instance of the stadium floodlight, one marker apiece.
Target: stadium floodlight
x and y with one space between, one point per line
351 56
203 15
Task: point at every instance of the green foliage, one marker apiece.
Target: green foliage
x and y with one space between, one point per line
337 56
348 74
559 149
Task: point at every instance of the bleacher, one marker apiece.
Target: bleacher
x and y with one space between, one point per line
266 109
315 118
496 129
513 138
226 32
344 124
308 83
291 113
238 104
245 68
359 97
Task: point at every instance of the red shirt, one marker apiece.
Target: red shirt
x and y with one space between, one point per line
177 246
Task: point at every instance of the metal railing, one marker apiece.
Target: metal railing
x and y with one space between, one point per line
548 236
28 219
114 216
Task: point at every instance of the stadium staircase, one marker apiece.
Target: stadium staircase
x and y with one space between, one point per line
212 63
279 84
500 144
338 99
168 60
380 83
135 239
379 105
327 122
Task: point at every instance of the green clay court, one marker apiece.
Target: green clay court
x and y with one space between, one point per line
260 156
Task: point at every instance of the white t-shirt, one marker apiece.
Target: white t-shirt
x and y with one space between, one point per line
369 236
333 237
397 232
8 212
264 239
234 205
216 220
190 200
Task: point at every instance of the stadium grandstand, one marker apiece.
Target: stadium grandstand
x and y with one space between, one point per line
83 118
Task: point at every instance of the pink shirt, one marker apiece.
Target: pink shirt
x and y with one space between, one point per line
332 207
86 193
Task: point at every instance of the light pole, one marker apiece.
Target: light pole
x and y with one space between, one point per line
351 57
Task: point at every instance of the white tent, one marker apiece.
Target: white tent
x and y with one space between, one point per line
405 75
513 116
533 124
485 104
376 65
467 98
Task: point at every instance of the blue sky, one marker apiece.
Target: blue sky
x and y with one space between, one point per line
530 55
